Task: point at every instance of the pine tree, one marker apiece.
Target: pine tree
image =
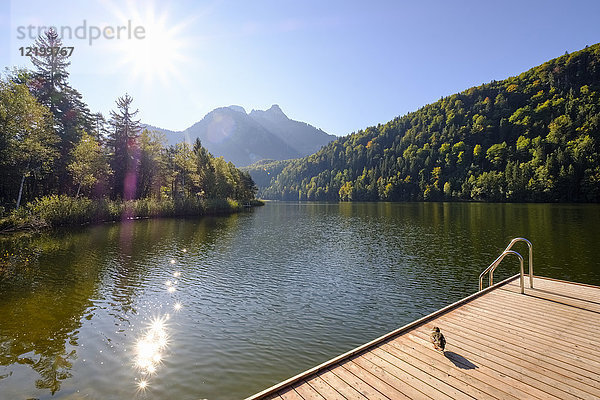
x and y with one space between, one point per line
51 69
49 84
125 149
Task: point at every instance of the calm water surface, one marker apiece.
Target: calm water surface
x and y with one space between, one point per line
220 308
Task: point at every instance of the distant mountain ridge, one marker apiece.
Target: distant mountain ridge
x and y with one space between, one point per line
244 138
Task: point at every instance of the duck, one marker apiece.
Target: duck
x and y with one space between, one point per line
438 339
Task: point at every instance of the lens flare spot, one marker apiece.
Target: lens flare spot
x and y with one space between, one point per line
143 384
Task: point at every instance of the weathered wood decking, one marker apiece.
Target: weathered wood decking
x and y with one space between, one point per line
500 345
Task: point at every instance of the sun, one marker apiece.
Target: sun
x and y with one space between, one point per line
156 57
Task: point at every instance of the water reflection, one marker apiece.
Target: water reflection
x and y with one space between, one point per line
252 298
71 301
41 308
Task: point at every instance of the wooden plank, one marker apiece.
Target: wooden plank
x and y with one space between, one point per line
581 366
490 367
323 388
363 387
290 394
536 370
567 301
534 318
400 370
445 370
589 382
403 383
570 290
581 290
537 343
521 303
554 307
375 381
340 385
486 380
510 366
561 307
562 329
306 391
533 311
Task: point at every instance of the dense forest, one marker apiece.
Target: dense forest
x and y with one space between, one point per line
51 144
264 171
533 137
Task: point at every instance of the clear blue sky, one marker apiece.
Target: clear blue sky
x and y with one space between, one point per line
339 65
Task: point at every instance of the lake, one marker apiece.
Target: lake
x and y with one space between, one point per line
220 308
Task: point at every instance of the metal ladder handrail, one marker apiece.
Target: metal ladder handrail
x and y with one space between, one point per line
530 246
506 252
497 261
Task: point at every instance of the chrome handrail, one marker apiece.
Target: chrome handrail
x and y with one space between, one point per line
530 246
497 261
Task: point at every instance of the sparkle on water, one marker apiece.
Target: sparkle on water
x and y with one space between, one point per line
149 348
142 384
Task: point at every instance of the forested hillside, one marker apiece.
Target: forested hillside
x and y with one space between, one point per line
533 137
263 171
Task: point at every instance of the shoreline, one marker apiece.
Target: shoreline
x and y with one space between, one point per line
52 212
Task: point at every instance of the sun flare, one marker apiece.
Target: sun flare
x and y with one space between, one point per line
158 55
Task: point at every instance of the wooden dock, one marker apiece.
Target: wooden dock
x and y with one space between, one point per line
501 344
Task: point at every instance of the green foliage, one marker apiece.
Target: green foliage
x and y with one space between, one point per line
56 210
27 141
535 137
264 171
89 163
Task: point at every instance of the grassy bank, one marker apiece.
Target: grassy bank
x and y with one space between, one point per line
51 211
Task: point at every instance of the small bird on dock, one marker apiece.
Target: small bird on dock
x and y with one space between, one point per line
438 339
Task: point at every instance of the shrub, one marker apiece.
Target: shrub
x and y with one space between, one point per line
56 210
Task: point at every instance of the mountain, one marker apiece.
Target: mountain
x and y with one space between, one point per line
231 133
302 137
532 137
246 138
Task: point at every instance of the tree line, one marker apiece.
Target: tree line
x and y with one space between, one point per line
51 143
532 137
